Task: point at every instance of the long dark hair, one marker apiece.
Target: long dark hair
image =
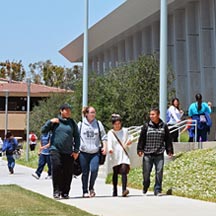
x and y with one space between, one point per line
199 101
173 100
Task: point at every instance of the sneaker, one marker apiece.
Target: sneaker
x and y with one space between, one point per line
145 191
86 195
56 196
115 194
11 170
48 177
35 175
65 196
125 193
158 194
92 193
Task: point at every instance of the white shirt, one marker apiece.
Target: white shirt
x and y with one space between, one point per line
118 156
175 115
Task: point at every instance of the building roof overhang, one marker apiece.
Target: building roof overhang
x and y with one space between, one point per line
125 17
16 89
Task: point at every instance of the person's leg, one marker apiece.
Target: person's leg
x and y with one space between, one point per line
84 162
204 135
41 164
67 166
56 165
159 163
147 168
11 163
115 180
49 165
94 166
124 172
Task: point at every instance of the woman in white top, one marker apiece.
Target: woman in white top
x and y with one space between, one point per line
118 142
175 115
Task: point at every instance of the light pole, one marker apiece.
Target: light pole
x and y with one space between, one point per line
85 58
28 112
163 59
6 110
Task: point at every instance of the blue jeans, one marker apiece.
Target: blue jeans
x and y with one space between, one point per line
43 160
148 162
89 163
11 162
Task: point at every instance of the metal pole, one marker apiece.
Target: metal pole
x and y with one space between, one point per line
163 59
6 111
85 58
27 123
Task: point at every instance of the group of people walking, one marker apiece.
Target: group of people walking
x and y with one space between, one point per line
63 141
82 141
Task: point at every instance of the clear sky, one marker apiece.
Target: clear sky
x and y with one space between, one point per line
35 30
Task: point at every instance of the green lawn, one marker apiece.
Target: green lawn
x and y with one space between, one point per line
191 174
16 201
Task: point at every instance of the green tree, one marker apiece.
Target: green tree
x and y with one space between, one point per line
130 90
52 75
12 70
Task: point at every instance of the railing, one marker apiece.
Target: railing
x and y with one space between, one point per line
182 124
135 130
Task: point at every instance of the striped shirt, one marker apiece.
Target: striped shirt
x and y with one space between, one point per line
155 139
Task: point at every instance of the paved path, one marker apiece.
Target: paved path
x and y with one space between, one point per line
104 204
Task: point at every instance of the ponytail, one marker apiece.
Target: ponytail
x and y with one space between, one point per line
199 101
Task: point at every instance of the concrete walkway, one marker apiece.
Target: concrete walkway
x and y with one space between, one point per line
104 204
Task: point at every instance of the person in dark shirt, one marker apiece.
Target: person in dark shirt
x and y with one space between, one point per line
153 141
9 145
64 149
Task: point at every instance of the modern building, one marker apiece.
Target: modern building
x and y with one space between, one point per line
16 95
133 29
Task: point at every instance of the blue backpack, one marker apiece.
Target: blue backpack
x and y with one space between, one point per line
167 116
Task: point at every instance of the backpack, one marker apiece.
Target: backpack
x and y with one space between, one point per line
167 116
33 138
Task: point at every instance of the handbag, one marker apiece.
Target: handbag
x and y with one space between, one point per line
77 170
102 157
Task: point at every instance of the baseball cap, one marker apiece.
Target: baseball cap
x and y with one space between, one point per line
65 106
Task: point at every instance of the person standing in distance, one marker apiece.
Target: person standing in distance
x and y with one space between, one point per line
153 141
9 145
64 149
44 156
199 111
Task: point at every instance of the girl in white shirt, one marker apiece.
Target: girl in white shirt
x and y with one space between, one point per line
118 142
175 115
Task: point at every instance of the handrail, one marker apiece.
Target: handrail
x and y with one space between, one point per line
182 124
134 131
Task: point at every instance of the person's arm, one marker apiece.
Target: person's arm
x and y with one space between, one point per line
49 124
103 137
4 147
142 141
76 136
109 142
168 141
